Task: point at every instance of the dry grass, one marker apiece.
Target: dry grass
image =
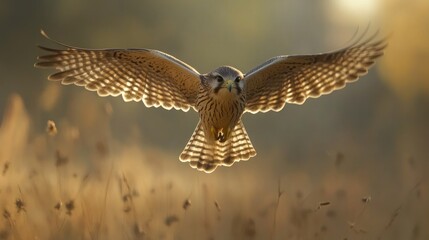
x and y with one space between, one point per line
63 183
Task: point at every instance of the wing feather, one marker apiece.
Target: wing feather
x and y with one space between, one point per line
151 76
293 79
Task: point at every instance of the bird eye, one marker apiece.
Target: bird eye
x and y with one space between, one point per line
219 78
237 79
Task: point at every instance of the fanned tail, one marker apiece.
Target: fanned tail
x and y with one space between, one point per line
206 155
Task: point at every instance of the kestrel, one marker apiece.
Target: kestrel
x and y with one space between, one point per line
220 97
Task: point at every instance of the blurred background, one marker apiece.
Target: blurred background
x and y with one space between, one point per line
349 165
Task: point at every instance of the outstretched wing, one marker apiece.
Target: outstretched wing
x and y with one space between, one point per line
292 79
137 74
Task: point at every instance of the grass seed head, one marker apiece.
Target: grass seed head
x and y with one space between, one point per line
20 205
217 206
366 199
6 214
186 204
322 204
5 167
170 219
58 205
51 129
70 207
126 197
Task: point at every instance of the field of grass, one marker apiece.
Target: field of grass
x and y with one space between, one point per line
62 181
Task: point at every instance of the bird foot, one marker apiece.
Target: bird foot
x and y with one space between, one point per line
220 134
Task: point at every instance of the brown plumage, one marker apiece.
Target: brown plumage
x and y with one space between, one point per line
220 96
220 137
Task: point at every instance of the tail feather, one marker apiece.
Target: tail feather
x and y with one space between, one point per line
206 155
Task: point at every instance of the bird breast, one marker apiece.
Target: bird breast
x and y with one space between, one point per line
220 113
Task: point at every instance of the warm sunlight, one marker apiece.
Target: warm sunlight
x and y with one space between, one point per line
361 6
356 9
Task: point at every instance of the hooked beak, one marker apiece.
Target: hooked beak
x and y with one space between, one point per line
229 84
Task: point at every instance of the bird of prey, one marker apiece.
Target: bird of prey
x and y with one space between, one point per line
220 97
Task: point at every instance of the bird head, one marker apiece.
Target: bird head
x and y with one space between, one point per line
224 80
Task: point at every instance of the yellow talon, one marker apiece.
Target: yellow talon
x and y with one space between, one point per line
221 134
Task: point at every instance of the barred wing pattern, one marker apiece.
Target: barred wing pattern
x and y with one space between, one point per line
137 74
206 155
292 79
